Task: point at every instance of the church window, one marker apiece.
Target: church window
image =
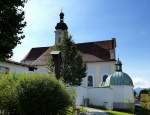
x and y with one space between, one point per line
90 81
104 79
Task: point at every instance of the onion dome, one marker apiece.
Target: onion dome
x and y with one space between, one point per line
61 25
119 77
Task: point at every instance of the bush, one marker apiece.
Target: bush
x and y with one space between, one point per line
141 111
8 100
42 95
33 95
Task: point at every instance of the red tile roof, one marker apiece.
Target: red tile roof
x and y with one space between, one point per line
90 51
34 53
96 51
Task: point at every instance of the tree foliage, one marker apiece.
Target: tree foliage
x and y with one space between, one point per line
11 26
42 95
73 69
8 96
144 91
24 94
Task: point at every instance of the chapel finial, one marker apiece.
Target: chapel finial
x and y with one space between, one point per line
118 65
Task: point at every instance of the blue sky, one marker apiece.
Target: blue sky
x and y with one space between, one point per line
94 20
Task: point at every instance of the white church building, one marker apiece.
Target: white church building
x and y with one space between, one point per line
105 84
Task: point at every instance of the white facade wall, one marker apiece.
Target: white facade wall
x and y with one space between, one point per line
41 70
98 70
123 94
15 68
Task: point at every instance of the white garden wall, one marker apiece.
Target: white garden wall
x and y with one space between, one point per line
100 96
123 94
96 96
116 96
81 94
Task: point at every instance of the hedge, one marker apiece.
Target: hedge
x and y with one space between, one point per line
24 94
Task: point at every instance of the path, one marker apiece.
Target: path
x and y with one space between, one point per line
92 111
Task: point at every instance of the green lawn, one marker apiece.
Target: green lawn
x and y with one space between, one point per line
117 113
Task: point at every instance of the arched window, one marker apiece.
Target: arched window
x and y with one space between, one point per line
90 81
104 79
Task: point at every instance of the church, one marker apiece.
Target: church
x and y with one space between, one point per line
105 84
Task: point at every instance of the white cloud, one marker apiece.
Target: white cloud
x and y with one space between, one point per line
142 83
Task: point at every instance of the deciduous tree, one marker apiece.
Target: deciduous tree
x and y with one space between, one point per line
11 26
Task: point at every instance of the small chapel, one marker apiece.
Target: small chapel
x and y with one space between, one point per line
105 84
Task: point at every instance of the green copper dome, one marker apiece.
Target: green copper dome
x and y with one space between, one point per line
119 77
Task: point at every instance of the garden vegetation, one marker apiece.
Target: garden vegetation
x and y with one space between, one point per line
24 94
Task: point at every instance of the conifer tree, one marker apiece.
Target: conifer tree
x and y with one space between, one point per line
73 69
11 25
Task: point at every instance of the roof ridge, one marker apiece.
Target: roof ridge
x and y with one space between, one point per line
95 42
78 43
41 47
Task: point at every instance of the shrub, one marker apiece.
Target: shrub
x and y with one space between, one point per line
24 94
141 111
8 100
42 95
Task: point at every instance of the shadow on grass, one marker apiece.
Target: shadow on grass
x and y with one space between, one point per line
141 111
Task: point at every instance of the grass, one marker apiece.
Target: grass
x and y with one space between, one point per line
111 112
82 109
117 113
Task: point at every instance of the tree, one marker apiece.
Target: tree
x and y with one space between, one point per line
143 91
8 96
11 25
73 70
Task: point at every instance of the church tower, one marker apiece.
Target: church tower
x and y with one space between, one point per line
61 29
